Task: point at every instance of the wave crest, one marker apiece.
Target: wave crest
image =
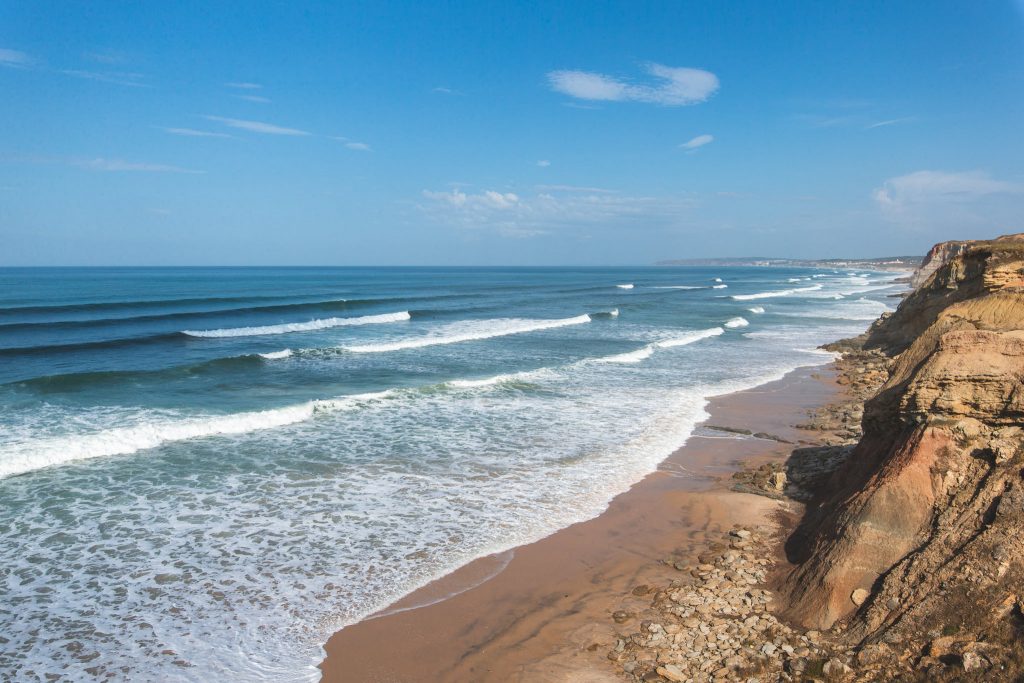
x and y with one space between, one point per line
781 292
483 329
321 324
689 338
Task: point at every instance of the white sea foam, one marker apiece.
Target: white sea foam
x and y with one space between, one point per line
689 338
162 428
678 287
737 322
285 328
718 279
781 292
275 355
834 355
416 481
471 331
507 378
719 286
645 352
35 454
614 313
626 286
353 401
756 309
845 309
629 357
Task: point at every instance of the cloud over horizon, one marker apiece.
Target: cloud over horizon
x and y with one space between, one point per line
673 86
549 210
925 198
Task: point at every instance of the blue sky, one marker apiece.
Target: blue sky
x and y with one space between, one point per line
505 133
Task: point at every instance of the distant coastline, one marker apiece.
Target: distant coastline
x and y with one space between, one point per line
886 263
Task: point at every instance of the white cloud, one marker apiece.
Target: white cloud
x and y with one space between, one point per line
575 188
193 133
353 144
106 57
257 126
254 98
543 163
698 141
890 122
549 210
675 86
937 185
14 58
116 77
100 164
926 198
244 86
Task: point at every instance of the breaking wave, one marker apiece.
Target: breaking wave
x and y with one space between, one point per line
769 295
285 328
480 329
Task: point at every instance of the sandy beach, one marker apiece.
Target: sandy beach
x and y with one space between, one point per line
543 612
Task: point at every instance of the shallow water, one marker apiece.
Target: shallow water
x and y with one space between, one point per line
205 472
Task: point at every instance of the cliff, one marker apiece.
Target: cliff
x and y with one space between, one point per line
921 533
936 257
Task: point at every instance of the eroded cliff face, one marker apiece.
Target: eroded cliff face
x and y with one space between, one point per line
936 257
925 521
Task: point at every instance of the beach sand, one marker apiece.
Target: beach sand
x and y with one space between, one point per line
542 612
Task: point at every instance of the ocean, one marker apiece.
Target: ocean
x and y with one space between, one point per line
204 472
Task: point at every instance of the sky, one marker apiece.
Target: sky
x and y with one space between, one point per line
457 133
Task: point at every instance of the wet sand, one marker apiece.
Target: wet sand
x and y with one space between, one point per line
542 612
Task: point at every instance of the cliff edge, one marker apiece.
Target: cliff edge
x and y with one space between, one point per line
921 533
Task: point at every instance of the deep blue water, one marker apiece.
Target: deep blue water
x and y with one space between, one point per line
227 464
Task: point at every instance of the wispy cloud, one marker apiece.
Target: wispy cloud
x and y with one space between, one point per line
673 86
513 214
106 57
118 165
543 163
891 122
353 144
576 188
257 126
132 80
827 121
193 133
254 98
244 86
698 141
925 198
14 58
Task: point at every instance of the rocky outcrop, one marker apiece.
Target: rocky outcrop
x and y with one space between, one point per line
936 257
923 525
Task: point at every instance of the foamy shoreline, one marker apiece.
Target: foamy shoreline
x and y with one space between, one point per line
418 610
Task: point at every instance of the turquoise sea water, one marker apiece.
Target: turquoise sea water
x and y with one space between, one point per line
206 471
